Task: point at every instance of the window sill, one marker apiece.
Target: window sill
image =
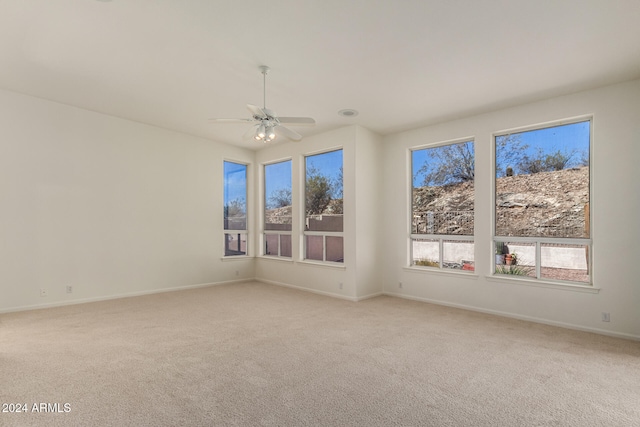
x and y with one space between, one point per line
544 284
331 265
236 258
275 258
450 273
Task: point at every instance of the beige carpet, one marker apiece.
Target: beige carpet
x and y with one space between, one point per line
254 354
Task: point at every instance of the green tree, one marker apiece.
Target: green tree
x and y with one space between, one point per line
584 158
279 198
318 192
545 162
235 208
336 194
449 164
509 153
558 160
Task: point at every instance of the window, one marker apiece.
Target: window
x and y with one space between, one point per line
542 193
277 209
235 209
442 206
323 232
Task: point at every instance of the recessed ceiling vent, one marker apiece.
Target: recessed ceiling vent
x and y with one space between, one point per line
348 113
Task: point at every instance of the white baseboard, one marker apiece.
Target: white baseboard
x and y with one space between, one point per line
520 317
313 291
118 296
377 294
332 295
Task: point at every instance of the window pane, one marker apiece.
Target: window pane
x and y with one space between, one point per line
324 222
314 247
335 250
564 262
425 252
542 182
443 190
323 206
235 244
235 196
271 244
458 255
323 191
516 259
285 245
277 196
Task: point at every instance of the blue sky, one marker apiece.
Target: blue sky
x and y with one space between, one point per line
278 175
235 183
328 163
566 138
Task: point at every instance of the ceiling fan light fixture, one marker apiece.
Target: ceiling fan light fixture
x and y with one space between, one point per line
260 134
271 134
265 120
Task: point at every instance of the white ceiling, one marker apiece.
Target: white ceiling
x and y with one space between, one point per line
401 63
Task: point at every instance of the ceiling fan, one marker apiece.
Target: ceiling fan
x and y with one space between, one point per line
266 123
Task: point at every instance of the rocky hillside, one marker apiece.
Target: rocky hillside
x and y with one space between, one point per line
543 204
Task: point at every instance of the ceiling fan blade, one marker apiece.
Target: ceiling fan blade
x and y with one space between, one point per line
297 120
288 133
231 120
257 111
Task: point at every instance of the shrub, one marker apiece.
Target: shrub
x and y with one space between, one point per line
426 263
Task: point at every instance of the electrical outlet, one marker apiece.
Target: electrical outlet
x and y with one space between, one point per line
605 317
340 285
400 285
69 289
43 292
237 273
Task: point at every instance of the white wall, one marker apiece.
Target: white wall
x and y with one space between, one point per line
115 208
615 211
108 206
370 221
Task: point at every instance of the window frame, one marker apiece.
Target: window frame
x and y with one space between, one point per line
225 230
278 233
440 238
539 241
307 233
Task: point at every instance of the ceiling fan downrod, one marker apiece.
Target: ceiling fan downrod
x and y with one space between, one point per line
264 69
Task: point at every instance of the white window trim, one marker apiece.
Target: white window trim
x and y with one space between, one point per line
224 233
324 235
245 231
263 204
543 282
538 242
278 233
439 237
324 264
304 232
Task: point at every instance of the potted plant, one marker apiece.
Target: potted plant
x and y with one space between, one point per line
499 253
